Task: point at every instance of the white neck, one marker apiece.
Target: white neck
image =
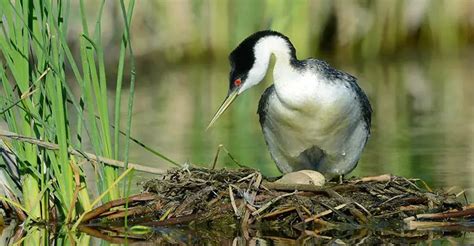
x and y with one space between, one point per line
263 50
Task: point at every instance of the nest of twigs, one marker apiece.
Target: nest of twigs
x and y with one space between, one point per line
248 201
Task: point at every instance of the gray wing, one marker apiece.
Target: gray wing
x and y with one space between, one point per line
263 104
364 102
336 75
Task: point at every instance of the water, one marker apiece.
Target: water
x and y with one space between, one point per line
423 126
423 121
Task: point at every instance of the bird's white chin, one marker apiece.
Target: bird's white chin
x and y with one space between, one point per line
247 85
255 76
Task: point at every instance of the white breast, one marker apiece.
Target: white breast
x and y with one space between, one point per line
312 112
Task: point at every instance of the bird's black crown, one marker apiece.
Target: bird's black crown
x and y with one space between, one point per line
242 58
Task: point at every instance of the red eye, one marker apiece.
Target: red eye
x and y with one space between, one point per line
237 82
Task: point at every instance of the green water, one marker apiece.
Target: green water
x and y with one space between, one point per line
423 120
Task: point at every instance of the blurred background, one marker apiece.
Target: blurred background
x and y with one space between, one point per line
414 59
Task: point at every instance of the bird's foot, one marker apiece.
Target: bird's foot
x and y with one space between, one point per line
338 179
341 179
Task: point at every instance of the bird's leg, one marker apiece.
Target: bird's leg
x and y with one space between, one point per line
341 179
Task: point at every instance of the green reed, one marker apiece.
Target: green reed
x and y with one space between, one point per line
38 102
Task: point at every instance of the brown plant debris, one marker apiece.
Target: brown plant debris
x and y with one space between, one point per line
244 199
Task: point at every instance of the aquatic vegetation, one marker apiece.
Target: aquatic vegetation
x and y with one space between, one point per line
54 115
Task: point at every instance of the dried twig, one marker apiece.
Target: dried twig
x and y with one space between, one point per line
362 207
268 204
89 156
291 187
380 178
232 201
412 225
278 212
119 202
135 211
324 213
391 199
446 215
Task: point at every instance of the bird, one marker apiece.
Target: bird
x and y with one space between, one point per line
313 116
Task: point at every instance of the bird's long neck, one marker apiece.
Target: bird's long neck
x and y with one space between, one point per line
292 86
283 51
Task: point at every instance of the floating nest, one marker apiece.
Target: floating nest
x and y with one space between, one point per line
242 203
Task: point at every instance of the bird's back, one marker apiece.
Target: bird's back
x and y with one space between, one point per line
339 76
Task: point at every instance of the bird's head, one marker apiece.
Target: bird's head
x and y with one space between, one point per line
249 63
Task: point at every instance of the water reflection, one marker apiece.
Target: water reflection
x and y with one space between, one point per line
423 122
217 236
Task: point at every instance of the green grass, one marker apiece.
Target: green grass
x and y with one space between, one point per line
37 102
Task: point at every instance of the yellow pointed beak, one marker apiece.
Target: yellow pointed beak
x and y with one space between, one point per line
229 99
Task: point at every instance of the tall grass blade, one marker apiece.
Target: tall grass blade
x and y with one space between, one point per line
127 18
